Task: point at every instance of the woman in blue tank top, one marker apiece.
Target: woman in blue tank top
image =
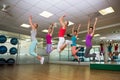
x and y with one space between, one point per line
110 54
34 27
74 39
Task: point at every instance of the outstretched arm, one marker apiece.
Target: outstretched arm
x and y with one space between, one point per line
61 20
73 28
52 28
31 23
94 26
88 26
78 30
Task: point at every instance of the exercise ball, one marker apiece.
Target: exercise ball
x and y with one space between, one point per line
3 49
3 39
10 61
2 61
13 51
82 49
14 41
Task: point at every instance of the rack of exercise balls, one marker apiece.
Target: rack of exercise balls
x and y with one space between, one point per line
11 51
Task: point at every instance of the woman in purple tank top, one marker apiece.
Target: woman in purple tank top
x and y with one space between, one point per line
49 47
89 36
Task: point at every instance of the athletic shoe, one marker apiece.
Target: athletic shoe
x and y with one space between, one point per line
79 61
98 57
42 60
68 42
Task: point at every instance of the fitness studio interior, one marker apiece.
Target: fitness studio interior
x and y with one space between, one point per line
59 39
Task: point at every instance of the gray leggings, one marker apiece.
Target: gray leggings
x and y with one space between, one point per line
87 53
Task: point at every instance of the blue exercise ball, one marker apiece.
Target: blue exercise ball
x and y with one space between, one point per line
13 51
2 61
14 41
3 49
10 61
3 39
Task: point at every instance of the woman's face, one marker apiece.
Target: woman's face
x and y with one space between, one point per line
90 30
66 23
75 33
49 30
36 25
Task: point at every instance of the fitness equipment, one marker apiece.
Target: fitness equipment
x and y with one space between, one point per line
80 53
2 61
10 61
14 41
13 51
3 39
3 49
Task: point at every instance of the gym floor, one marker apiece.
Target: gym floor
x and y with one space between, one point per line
55 72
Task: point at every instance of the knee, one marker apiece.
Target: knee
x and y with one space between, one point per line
31 51
86 56
73 54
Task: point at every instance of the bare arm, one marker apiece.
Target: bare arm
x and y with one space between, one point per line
88 26
52 29
78 30
61 20
73 28
94 26
31 23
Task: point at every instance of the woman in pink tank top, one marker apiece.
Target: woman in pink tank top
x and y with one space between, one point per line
49 47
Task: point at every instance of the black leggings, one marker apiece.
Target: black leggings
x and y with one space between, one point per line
87 53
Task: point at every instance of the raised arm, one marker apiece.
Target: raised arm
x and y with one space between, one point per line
31 23
52 28
78 30
88 25
94 26
61 20
73 28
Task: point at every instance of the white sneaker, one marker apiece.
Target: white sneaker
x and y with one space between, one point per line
98 57
68 42
42 60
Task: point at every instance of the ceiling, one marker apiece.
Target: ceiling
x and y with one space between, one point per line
76 11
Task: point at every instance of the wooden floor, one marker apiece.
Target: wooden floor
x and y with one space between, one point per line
55 72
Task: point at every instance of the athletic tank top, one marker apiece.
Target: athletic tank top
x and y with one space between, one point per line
33 34
74 39
61 32
110 48
101 47
88 40
116 47
48 39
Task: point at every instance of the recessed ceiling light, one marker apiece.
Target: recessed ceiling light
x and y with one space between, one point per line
46 14
25 25
102 37
96 35
70 23
106 11
83 40
45 30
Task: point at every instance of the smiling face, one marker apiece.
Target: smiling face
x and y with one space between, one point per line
49 30
90 30
66 23
36 25
75 32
